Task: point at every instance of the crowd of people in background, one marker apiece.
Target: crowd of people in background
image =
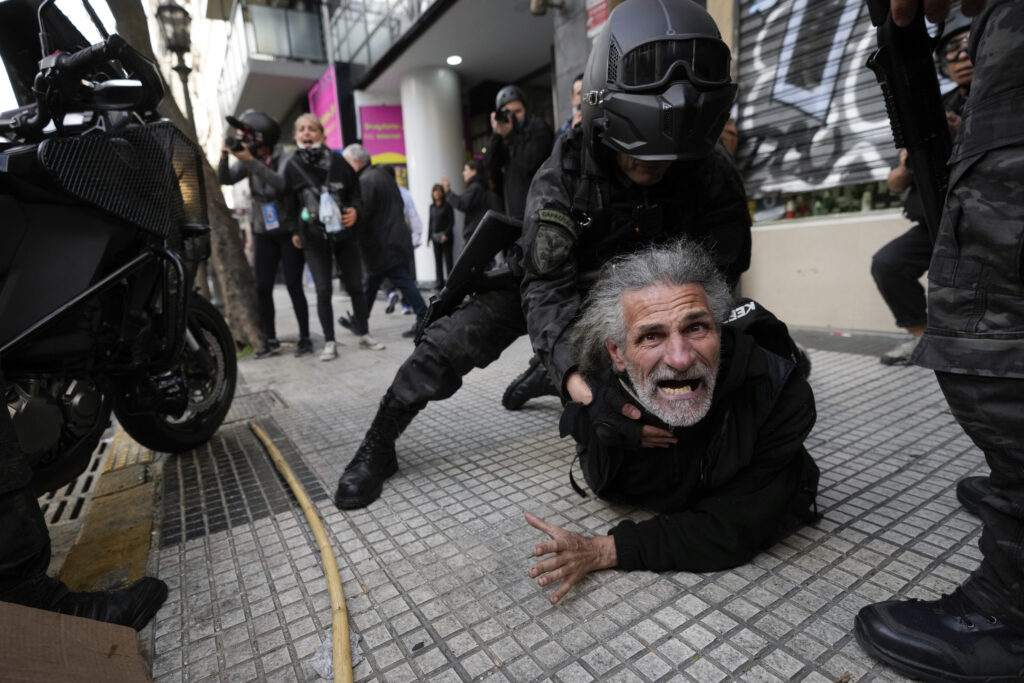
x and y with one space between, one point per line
337 213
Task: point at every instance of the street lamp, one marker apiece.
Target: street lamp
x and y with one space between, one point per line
175 25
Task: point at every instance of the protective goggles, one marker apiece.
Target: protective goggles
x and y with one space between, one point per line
956 49
704 61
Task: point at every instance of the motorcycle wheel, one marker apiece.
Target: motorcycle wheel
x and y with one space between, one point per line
209 396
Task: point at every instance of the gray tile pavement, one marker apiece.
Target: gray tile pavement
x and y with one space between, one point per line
435 571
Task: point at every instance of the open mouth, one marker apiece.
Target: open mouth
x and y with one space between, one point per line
674 387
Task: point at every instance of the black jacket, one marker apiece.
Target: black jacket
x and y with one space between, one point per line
473 202
734 484
266 185
308 172
383 232
516 158
442 223
582 211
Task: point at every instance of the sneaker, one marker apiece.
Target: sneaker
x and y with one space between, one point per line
411 333
901 354
330 351
970 491
347 321
370 344
392 300
303 348
406 310
949 639
266 350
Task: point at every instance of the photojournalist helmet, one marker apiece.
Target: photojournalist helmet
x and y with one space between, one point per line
956 24
510 93
263 129
657 84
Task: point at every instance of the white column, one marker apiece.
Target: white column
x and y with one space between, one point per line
434 143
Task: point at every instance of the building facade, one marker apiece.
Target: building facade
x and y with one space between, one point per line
814 138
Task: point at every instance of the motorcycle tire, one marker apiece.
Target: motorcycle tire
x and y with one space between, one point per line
209 397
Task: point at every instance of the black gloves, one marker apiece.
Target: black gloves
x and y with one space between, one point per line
604 416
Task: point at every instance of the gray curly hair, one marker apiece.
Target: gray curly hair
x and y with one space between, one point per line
680 263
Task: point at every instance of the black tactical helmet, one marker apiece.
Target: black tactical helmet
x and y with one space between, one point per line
510 93
657 84
265 130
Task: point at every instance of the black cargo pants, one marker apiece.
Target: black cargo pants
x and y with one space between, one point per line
473 336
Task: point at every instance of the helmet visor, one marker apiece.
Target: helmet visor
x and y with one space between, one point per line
703 61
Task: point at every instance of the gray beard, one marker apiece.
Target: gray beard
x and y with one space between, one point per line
688 413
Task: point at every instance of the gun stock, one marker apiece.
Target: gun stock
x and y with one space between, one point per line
905 71
469 274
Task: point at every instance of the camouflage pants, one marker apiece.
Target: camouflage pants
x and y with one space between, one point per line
975 336
989 409
473 336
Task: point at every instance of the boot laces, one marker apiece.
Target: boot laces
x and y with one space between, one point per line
960 605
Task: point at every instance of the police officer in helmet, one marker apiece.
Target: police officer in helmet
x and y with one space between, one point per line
643 167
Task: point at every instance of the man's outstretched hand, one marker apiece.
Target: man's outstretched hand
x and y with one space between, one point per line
574 556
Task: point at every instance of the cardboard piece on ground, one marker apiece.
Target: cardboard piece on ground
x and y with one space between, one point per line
36 645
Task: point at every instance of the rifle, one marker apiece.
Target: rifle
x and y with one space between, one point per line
469 274
905 70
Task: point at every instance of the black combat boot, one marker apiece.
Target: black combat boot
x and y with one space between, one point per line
133 605
970 491
949 639
375 460
532 383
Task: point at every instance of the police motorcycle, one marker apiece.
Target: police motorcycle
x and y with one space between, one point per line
102 225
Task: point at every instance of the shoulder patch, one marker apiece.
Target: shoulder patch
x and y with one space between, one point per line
557 218
551 248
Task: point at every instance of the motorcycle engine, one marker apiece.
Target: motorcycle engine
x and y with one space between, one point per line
51 414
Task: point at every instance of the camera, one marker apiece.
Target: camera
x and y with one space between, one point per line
503 115
237 143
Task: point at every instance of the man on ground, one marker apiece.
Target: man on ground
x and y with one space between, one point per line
718 426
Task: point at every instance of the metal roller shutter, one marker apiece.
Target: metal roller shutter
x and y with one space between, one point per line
810 113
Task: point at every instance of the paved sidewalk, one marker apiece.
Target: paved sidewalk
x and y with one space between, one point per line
435 572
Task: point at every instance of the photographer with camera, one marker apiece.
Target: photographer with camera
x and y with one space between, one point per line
275 240
519 144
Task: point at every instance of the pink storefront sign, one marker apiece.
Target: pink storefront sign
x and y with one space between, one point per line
597 15
382 133
323 104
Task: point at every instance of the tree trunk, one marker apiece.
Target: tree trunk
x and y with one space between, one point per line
230 267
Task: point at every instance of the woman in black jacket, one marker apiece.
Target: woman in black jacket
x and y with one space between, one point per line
441 233
474 201
313 168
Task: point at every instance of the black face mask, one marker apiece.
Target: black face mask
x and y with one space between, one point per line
309 155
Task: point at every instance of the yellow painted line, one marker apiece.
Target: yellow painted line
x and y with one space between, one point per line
339 612
125 452
115 539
